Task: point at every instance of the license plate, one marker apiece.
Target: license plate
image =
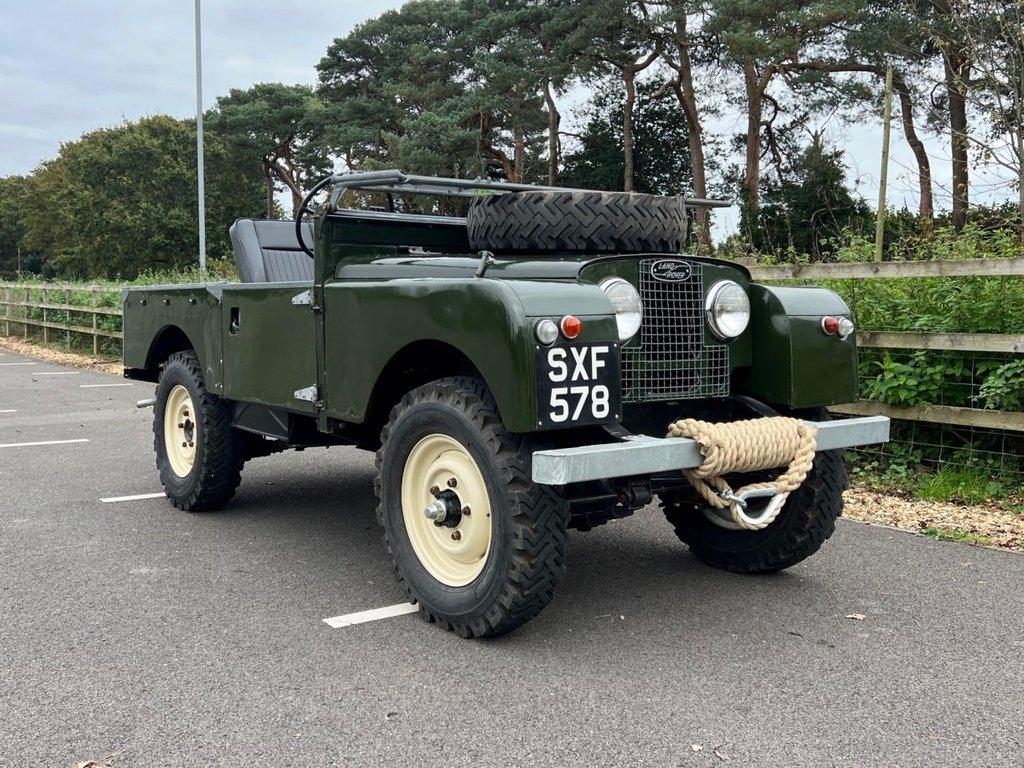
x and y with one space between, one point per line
577 384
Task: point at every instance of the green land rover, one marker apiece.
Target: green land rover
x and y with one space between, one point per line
551 359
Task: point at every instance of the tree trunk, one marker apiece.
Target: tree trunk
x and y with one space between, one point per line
1018 97
752 176
924 170
628 174
926 206
507 166
271 212
554 122
687 98
519 159
957 69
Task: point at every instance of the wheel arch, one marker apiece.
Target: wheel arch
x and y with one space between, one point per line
168 340
413 365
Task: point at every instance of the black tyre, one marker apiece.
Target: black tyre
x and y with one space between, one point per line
198 451
494 561
807 519
595 222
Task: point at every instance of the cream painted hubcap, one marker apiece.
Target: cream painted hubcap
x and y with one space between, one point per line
180 431
440 473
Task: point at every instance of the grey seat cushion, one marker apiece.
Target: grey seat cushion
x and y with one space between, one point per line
269 252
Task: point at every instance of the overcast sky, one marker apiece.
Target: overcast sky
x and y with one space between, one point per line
70 67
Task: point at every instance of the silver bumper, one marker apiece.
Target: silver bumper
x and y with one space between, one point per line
642 455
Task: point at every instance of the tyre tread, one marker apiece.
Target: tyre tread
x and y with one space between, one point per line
540 518
222 457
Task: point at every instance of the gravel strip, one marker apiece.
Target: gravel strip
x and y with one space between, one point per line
60 356
991 526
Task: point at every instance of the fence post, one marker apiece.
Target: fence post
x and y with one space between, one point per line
7 311
67 315
95 337
46 319
24 314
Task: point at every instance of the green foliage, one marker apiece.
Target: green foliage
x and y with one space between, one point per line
660 136
275 125
1003 387
809 207
11 190
121 201
911 383
956 534
962 484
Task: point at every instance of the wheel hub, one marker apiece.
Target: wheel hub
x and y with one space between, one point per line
180 431
445 509
449 529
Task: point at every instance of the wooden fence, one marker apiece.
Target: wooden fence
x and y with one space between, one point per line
17 296
956 342
17 302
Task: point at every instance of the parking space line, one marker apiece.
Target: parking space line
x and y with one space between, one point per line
94 386
44 442
17 363
55 373
8 410
137 497
337 622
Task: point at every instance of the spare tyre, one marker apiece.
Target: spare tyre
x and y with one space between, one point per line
574 221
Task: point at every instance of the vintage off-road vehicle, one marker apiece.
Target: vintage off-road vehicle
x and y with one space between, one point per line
516 370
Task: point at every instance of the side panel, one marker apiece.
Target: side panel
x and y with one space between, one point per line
269 349
794 363
194 309
368 322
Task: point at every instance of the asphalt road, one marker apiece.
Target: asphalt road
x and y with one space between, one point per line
198 640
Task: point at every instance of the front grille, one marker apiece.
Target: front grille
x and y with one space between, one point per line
671 361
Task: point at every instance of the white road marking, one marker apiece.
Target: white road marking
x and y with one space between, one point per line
8 410
93 386
137 497
55 373
44 442
337 622
17 363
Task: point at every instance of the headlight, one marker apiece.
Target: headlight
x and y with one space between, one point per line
625 299
728 309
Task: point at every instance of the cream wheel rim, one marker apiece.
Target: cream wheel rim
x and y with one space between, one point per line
441 472
181 432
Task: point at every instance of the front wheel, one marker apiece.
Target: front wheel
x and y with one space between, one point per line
474 542
807 519
198 451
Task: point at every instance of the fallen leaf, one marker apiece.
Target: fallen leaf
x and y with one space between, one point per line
696 747
856 616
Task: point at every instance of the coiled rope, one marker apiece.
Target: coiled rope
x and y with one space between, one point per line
748 446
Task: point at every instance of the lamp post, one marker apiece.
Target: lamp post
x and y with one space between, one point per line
199 140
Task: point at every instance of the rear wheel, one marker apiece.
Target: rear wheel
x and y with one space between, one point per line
474 542
198 451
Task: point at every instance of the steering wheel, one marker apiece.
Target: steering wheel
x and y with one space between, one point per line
305 210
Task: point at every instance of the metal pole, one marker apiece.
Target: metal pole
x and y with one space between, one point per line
199 140
883 179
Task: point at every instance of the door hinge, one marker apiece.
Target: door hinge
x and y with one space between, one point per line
304 298
309 394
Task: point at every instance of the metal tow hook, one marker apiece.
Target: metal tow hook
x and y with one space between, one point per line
742 501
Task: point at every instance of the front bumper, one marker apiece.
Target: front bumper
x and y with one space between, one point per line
643 455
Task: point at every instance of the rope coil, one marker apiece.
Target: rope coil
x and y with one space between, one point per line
752 445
